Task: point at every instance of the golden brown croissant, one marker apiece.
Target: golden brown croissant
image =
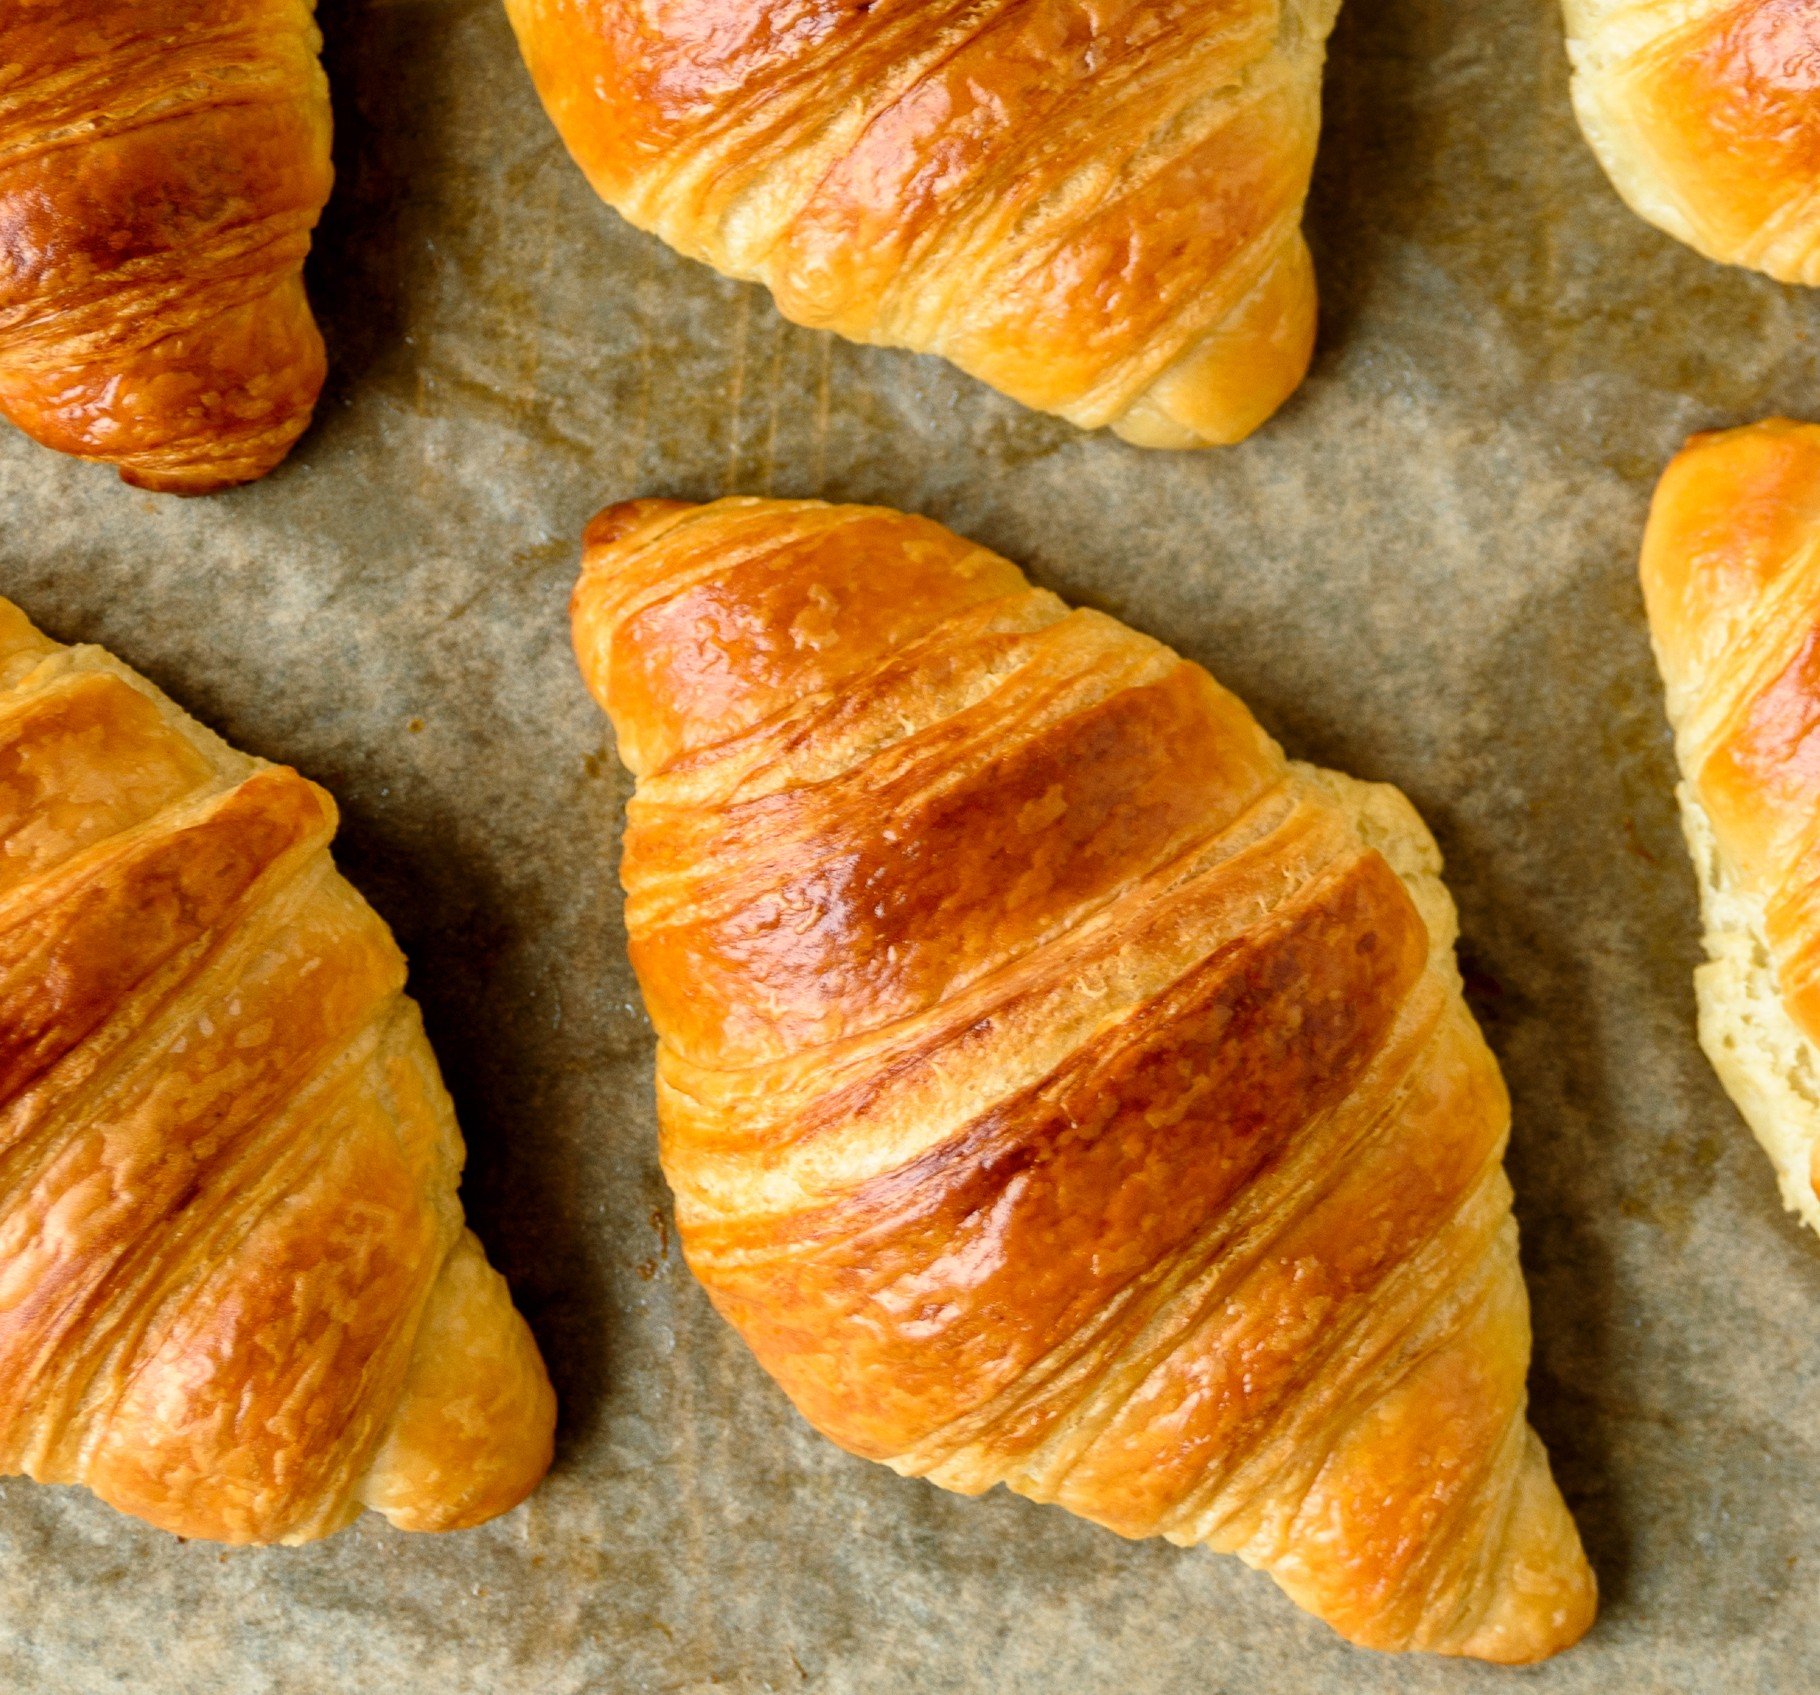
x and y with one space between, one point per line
1060 1089
236 1294
162 163
1731 574
1706 116
1094 208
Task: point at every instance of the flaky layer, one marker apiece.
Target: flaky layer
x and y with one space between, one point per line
162 164
1706 116
1770 1067
236 1297
1060 1089
1096 209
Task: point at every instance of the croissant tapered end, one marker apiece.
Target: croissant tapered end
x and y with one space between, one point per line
236 1298
1239 373
162 164
1095 209
1061 1089
1536 1597
1705 118
1731 577
474 1431
1543 1593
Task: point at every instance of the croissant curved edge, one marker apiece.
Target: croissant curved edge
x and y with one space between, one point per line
162 166
237 1296
1706 117
1731 578
1058 1087
1096 210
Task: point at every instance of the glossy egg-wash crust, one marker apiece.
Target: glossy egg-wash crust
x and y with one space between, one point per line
1058 1087
236 1295
1096 208
1706 113
162 164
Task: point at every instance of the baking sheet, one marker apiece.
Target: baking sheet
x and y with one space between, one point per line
1422 571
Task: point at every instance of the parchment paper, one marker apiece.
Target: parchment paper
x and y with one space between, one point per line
1422 571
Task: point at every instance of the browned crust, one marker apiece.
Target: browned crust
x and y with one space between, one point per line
162 164
1095 209
235 1295
1057 1088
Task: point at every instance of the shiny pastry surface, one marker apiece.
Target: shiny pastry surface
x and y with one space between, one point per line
1706 116
237 1297
1095 208
162 164
1059 1088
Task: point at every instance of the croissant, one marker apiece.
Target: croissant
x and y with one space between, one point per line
162 164
236 1295
1059 1088
1095 209
1706 117
1731 577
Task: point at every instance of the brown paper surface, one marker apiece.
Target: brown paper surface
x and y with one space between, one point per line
1422 571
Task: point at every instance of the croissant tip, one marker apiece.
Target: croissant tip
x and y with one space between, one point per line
194 482
626 518
1554 1636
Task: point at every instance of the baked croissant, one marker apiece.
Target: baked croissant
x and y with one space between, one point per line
162 163
1731 576
1060 1089
1094 208
236 1295
1706 117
